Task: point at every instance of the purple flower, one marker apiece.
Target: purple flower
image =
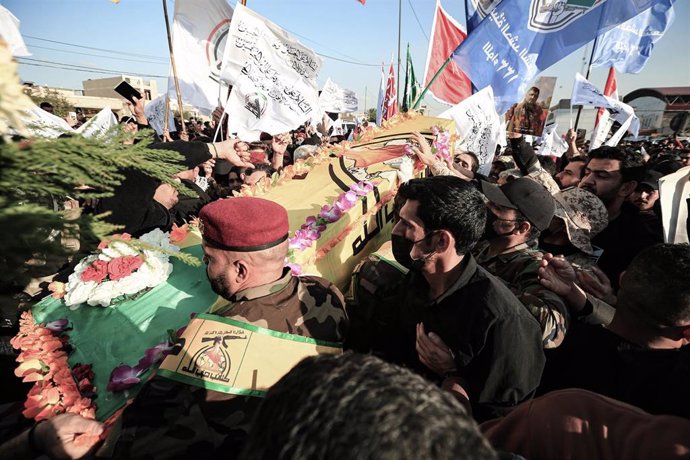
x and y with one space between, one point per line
59 325
346 201
295 268
123 377
154 354
330 213
299 242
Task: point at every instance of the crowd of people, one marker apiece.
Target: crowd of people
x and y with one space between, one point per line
535 312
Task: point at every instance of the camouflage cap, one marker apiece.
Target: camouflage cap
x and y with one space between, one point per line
584 215
506 160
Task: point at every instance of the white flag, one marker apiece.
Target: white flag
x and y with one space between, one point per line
335 99
479 126
382 96
199 34
273 76
99 124
615 139
155 113
43 124
585 93
552 144
9 32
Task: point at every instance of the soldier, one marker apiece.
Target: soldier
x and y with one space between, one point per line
245 245
245 260
518 211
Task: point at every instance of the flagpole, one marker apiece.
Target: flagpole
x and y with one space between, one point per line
431 82
166 118
589 69
180 105
397 90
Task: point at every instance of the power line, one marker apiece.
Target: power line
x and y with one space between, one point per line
98 49
418 22
47 66
22 60
166 61
98 55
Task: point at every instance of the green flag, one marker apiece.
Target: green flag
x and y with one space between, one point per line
411 86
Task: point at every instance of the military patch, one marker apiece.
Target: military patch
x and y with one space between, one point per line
229 356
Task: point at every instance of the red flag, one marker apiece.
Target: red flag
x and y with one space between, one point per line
362 1
452 85
390 100
611 89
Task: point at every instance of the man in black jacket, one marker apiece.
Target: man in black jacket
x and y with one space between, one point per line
495 342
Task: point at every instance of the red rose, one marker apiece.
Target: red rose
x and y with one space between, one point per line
97 271
121 267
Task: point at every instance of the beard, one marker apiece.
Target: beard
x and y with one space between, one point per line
220 287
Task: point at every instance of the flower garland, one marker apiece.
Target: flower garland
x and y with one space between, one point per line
313 226
118 270
441 145
43 358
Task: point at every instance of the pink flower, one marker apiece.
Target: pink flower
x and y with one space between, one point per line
330 213
346 201
97 272
123 377
122 267
362 188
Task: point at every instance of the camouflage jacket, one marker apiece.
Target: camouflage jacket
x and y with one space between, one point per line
518 269
170 420
373 281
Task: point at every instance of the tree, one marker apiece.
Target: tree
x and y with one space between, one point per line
37 175
61 106
371 115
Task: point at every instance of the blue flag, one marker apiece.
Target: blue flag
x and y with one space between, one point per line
520 38
628 46
476 11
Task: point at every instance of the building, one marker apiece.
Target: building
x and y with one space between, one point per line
564 116
88 105
103 87
656 107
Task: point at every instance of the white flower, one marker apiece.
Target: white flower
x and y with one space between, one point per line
117 249
132 284
78 292
155 270
155 237
103 294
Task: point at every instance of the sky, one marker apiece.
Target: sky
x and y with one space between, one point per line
363 35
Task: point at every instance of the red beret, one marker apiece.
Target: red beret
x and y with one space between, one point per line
244 224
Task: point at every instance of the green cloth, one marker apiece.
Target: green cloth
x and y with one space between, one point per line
412 89
108 337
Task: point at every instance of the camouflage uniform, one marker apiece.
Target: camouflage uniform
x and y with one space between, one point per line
584 216
172 420
518 269
373 281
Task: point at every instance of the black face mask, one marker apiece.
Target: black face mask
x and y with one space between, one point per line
402 247
490 232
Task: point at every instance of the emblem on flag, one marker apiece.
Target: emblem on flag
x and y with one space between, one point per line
554 15
215 46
